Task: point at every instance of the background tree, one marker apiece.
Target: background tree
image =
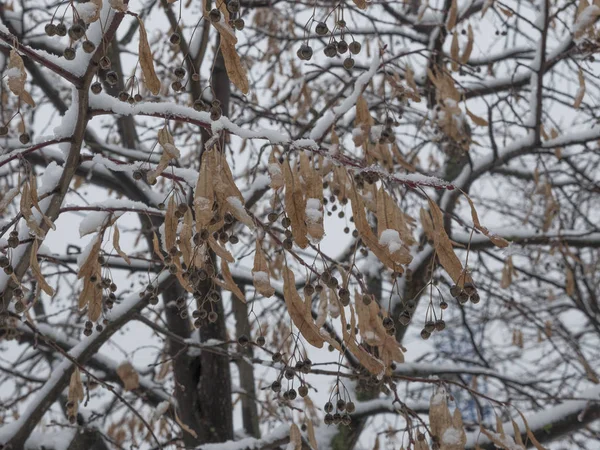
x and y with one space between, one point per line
256 224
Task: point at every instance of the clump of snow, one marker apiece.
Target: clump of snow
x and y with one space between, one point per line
438 397
93 221
50 178
313 210
261 277
391 239
69 120
587 17
85 252
160 410
452 436
87 11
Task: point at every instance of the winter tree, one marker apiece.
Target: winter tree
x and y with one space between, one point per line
269 224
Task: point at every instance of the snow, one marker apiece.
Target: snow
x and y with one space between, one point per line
452 436
50 178
69 120
261 277
330 117
60 370
390 239
86 11
160 410
55 439
587 17
93 221
280 433
314 213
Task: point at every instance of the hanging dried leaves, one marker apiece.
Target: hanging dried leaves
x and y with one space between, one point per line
260 272
496 240
300 310
443 247
295 438
386 249
16 76
35 268
129 376
447 428
295 205
166 141
464 59
75 394
580 91
452 16
374 333
147 62
233 64
117 245
228 282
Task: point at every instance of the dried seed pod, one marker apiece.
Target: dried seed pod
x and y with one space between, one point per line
475 298
276 386
388 323
321 29
233 6
3 130
330 50
463 298
328 419
175 39
179 72
76 32
341 404
443 305
214 15
430 326
50 29
425 334
96 87
61 29
342 46
88 46
305 52
328 407
24 138
455 290
354 47
112 78
212 317
69 53
105 63
291 394
440 325
239 24
260 341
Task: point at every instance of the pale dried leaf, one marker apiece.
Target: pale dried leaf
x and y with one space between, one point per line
129 376
300 310
37 272
117 245
233 64
229 283
295 438
16 82
146 61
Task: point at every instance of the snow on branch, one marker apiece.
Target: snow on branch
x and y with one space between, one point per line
551 423
279 436
16 433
